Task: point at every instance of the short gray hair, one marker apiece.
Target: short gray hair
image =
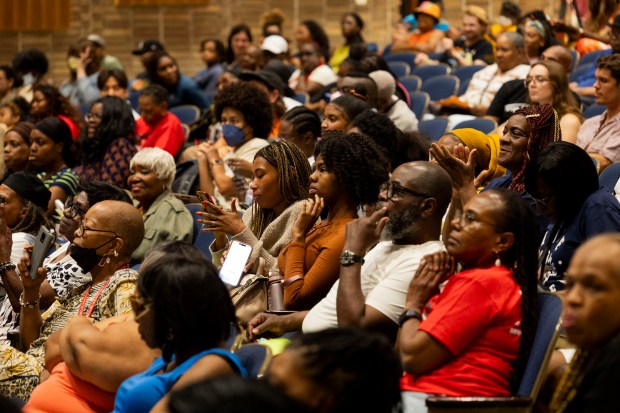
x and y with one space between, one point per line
515 38
158 161
385 83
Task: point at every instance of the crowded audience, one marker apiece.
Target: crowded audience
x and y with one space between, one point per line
379 261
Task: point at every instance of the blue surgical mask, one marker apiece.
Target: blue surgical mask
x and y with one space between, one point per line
233 135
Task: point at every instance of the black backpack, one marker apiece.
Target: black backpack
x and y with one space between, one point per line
186 180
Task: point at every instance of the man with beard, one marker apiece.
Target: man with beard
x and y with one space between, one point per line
372 287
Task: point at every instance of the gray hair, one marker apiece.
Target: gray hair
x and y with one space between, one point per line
158 161
515 38
386 85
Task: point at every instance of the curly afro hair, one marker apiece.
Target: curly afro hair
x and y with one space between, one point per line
253 104
380 128
360 166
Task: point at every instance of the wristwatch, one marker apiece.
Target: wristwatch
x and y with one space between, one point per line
407 315
349 258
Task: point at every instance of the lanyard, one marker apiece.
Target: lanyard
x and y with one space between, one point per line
92 305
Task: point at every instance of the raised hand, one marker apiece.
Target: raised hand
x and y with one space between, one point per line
310 212
364 232
216 219
433 270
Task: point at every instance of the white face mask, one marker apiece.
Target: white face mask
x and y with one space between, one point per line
504 21
28 79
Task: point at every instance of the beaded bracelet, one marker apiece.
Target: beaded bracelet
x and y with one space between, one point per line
29 304
6 266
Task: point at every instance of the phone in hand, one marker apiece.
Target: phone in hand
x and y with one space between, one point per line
205 197
41 247
237 257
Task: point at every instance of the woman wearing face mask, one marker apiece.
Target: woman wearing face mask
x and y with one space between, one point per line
103 244
246 117
163 70
280 179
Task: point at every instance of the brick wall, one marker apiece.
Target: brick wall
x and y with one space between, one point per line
182 27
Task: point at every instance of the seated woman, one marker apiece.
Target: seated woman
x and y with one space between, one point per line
343 181
106 144
340 113
490 304
83 64
165 217
301 127
547 83
105 239
163 70
17 148
537 36
24 202
51 155
563 181
183 308
426 38
246 117
239 40
47 101
281 175
592 324
351 26
487 151
156 127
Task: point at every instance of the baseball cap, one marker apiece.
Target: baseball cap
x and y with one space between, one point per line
275 44
271 80
149 45
95 38
428 8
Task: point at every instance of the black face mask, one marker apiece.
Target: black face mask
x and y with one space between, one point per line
87 258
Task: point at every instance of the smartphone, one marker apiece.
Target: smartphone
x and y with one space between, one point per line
237 257
40 249
203 196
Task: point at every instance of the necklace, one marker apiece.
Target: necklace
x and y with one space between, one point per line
92 305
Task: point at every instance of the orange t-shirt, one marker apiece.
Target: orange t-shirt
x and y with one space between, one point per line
64 392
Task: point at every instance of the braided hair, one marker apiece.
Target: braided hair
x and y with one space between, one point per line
519 218
544 126
33 219
293 180
303 121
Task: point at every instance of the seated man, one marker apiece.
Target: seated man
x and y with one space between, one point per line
314 73
105 239
113 82
599 135
157 127
387 102
510 63
372 295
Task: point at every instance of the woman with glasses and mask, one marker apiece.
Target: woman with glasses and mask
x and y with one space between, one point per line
165 216
547 83
103 244
343 181
106 145
563 181
445 337
225 167
183 308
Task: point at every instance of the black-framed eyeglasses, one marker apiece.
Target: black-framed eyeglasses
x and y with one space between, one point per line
394 190
83 228
468 217
72 209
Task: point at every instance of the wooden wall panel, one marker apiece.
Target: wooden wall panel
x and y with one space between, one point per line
34 15
182 27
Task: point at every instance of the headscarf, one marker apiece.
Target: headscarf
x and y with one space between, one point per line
29 187
487 146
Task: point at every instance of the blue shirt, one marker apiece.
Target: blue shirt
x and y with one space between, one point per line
187 92
207 78
600 213
589 78
140 393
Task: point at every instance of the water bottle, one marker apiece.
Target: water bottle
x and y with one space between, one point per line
276 291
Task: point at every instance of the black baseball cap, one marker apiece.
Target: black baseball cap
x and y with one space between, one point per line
150 45
269 79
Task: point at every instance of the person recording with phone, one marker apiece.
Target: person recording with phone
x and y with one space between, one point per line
281 175
23 204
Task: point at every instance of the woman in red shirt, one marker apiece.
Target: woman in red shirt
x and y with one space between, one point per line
473 338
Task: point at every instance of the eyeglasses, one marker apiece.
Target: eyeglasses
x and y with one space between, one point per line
543 200
139 306
72 209
468 217
83 228
538 80
395 190
94 115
